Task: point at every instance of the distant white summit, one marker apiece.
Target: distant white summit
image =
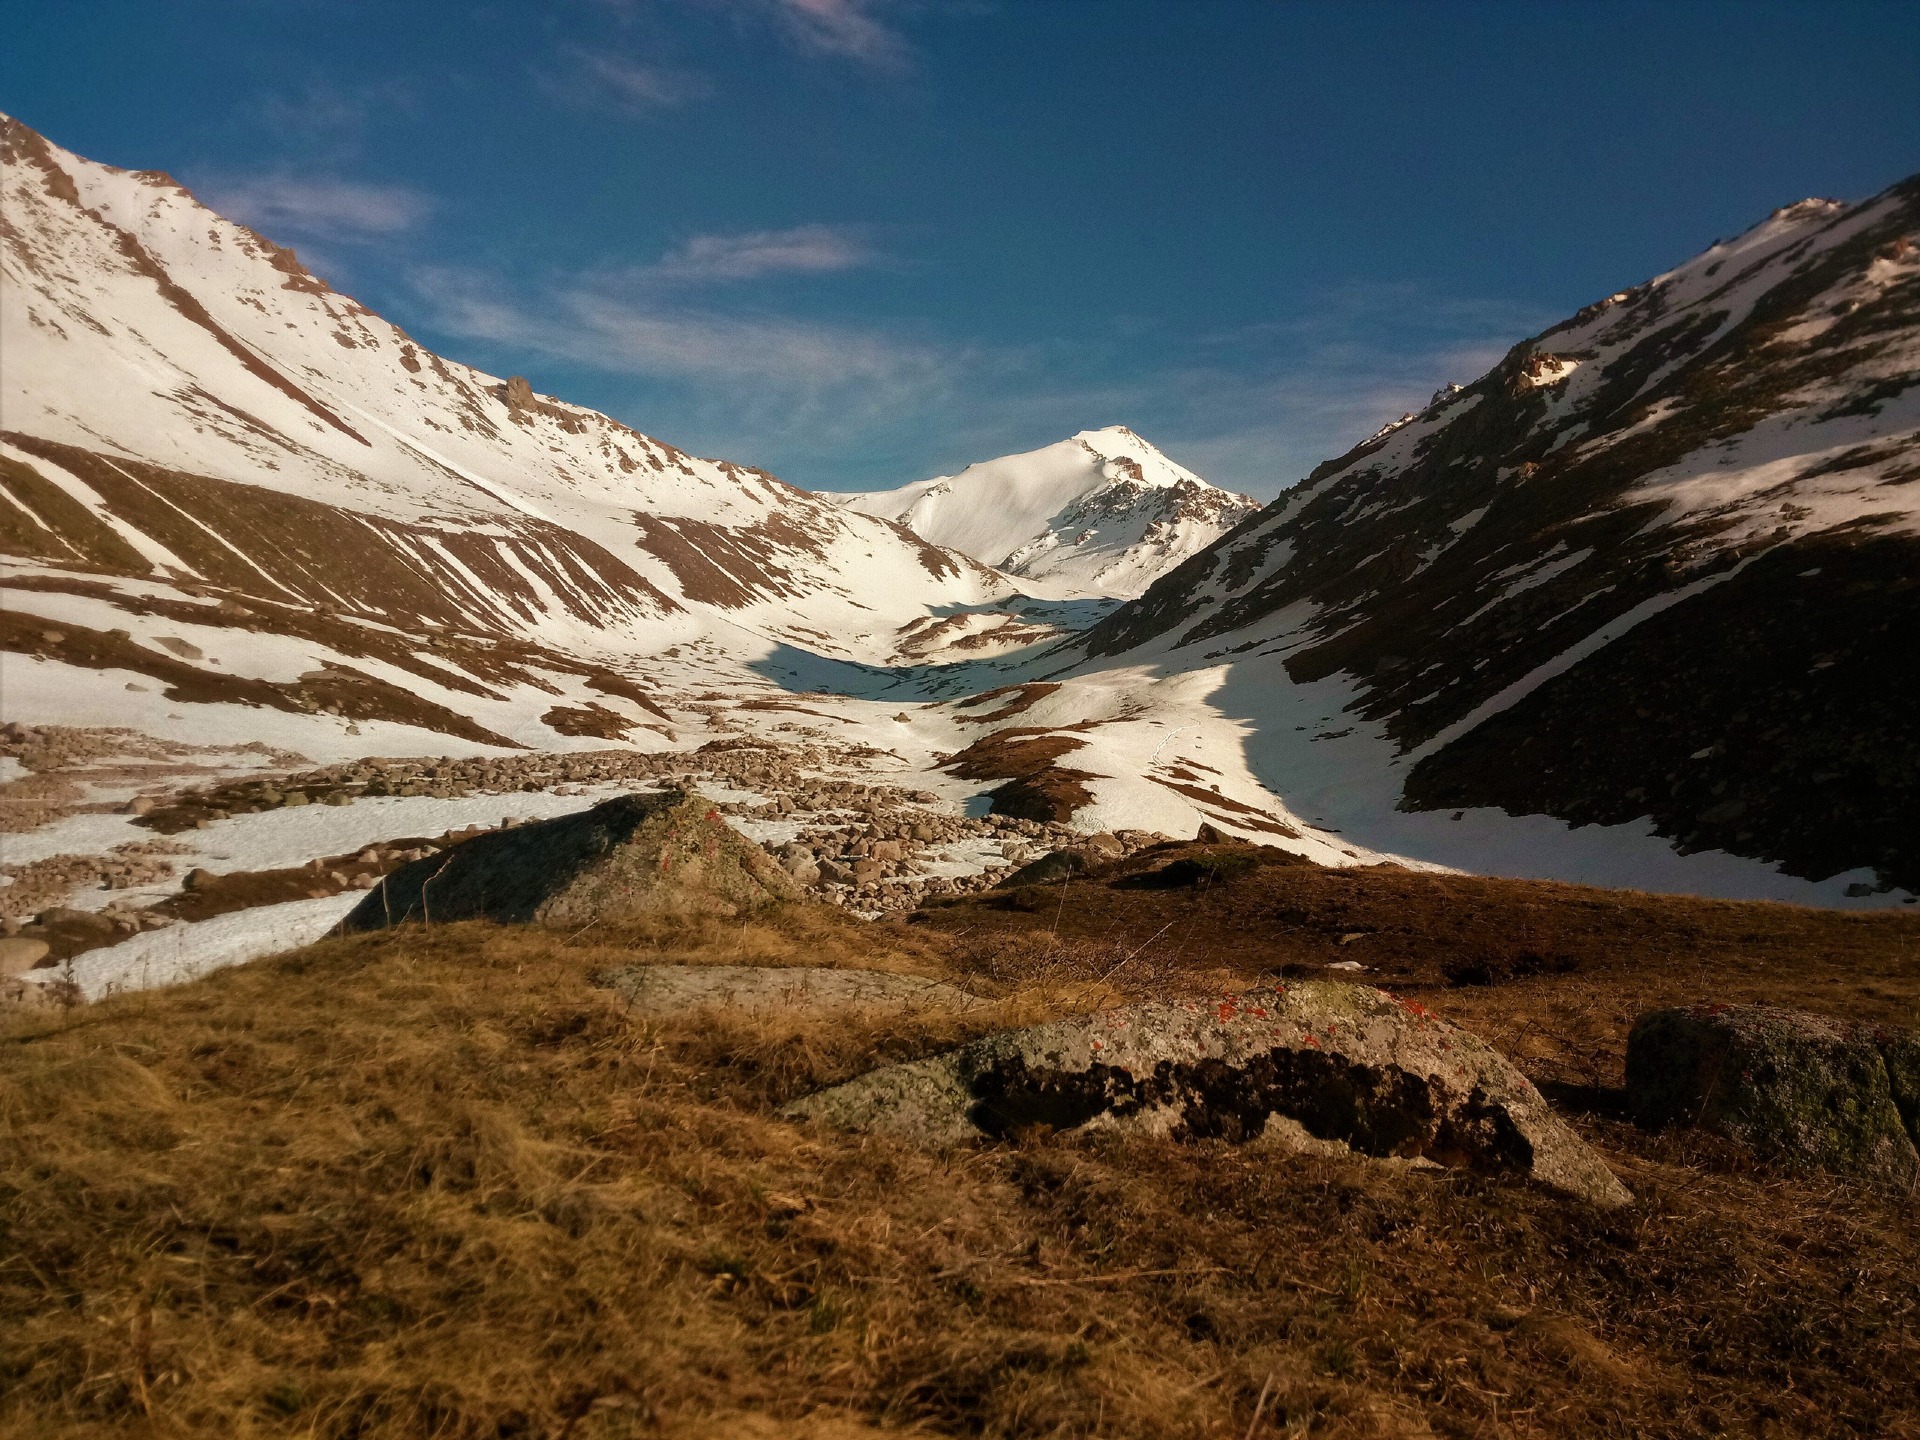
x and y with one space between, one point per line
1102 514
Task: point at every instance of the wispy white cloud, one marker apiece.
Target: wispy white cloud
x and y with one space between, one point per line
616 82
802 250
758 382
849 29
329 208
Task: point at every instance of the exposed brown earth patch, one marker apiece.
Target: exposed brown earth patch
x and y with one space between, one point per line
726 565
1235 812
937 562
1037 787
608 683
592 719
341 691
46 523
1019 698
284 548
786 705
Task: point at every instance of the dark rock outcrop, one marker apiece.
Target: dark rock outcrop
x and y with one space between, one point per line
1057 865
636 855
1800 1089
1320 1066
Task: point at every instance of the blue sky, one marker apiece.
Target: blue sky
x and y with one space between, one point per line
859 242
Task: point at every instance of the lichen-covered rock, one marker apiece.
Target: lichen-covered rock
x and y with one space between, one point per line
1345 1063
1797 1088
629 857
769 989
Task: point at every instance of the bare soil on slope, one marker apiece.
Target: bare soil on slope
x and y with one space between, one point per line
437 1182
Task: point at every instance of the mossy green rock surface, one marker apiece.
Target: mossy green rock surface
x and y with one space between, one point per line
1801 1089
629 857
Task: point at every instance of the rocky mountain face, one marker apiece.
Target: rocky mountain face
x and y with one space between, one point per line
1662 561
1101 514
192 420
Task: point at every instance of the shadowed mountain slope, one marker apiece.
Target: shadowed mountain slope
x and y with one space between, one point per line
1661 561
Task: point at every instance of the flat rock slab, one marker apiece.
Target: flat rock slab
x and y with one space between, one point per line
1797 1088
1320 1061
629 857
768 989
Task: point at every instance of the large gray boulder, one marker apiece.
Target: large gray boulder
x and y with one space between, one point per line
1329 1064
1797 1088
630 857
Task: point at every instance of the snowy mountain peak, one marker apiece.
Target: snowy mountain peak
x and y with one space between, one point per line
1103 513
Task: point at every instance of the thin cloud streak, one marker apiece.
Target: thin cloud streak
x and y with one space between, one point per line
803 250
613 82
845 28
329 208
764 381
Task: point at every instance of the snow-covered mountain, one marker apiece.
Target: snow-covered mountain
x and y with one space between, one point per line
1651 582
1634 608
188 417
1101 514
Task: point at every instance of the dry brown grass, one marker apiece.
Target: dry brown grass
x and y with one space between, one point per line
435 1182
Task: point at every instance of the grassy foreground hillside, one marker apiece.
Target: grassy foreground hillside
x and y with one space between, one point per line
436 1182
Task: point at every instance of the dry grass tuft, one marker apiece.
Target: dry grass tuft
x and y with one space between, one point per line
435 1182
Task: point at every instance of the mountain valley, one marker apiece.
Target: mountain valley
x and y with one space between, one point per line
253 531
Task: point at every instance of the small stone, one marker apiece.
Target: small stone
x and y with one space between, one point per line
139 805
294 798
198 878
